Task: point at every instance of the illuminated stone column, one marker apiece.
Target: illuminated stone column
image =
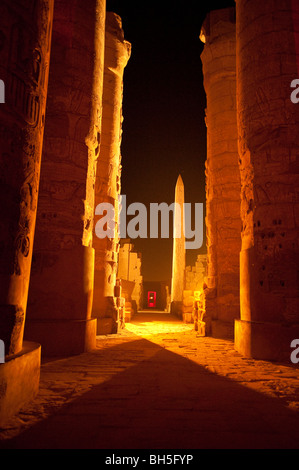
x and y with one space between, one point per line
25 39
61 290
268 126
179 250
223 221
107 188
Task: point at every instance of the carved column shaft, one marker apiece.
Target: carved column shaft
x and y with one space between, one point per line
268 124
107 188
223 220
61 291
25 39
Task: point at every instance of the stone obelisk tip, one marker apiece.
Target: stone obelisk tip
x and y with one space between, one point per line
178 255
180 181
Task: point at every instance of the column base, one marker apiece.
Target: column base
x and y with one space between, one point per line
107 316
19 380
62 337
176 308
264 340
222 329
107 326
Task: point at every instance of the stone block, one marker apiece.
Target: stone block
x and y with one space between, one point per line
188 318
19 380
201 328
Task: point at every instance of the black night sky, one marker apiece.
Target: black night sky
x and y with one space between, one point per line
164 132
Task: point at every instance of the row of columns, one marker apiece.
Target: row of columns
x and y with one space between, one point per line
60 136
249 62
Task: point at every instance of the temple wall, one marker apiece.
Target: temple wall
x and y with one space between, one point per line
129 269
195 276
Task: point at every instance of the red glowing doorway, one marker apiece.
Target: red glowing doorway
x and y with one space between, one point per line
151 299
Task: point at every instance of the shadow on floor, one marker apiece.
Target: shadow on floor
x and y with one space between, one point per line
162 401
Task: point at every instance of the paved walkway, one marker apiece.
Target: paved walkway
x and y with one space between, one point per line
159 386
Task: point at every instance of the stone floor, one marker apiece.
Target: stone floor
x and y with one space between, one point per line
157 385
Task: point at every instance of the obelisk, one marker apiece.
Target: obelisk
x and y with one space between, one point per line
178 254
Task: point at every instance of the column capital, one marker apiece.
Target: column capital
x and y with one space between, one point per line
118 50
217 23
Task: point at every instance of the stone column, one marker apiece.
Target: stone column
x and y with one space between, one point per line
61 290
25 39
295 14
268 126
107 188
223 221
179 250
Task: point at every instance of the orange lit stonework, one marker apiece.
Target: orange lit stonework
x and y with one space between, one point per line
93 354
